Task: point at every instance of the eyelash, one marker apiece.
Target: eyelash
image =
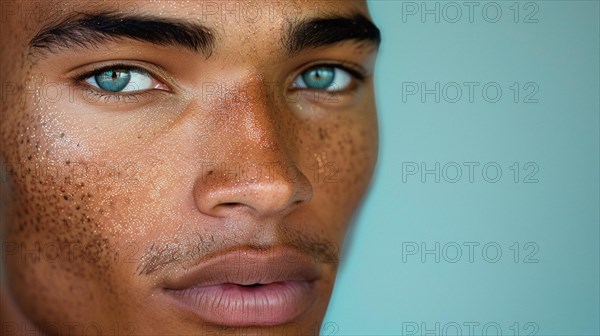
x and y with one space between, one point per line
116 97
355 72
80 80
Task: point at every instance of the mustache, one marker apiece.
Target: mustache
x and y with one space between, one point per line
169 256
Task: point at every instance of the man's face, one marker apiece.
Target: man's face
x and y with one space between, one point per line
177 167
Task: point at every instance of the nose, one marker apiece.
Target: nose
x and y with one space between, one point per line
229 193
253 170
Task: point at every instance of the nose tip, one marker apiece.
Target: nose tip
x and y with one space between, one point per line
222 194
256 173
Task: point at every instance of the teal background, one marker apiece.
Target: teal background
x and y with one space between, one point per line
384 290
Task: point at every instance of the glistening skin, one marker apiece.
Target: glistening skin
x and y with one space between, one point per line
175 248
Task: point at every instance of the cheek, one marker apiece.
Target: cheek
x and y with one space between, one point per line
79 172
68 219
340 159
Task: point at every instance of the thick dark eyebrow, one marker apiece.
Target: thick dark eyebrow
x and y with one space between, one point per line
92 30
321 32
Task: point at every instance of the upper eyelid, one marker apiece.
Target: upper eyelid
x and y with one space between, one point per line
89 74
355 70
79 75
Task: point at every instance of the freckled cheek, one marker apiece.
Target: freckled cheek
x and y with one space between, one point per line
89 203
146 205
348 156
107 189
130 210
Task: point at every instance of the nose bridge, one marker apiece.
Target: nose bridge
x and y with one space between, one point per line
256 121
256 169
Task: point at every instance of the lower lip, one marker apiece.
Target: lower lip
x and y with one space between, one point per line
236 306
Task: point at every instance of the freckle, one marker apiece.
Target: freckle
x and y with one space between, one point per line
68 162
66 197
62 135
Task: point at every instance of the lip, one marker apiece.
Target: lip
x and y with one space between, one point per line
248 287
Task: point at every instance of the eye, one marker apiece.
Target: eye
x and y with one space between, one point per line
324 77
123 80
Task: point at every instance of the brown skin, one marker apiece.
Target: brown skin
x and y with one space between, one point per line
98 230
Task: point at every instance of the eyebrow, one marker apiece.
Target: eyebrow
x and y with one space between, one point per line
92 30
314 33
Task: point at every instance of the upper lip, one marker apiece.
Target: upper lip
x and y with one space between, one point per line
248 266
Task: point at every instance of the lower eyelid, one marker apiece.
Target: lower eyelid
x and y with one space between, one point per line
103 98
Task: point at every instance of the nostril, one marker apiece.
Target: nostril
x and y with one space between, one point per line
230 204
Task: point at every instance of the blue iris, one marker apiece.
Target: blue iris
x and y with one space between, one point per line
319 78
113 80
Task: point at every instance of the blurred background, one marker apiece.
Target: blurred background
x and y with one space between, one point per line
483 218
